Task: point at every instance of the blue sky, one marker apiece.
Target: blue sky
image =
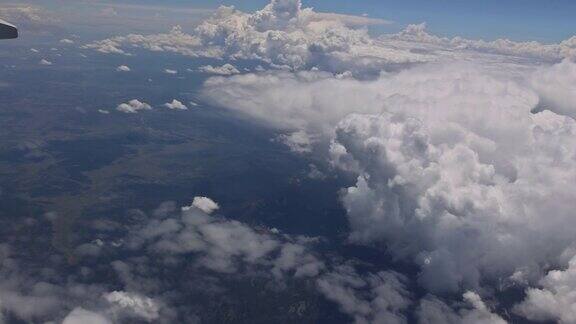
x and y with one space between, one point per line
545 21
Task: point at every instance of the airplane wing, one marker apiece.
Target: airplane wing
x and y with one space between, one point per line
7 30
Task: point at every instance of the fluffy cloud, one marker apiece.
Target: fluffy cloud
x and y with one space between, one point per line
373 298
455 169
441 180
133 106
82 316
123 68
205 204
175 105
226 69
458 166
283 34
221 245
311 101
556 87
202 250
555 300
66 41
205 253
169 71
30 292
45 62
432 310
299 142
288 36
134 304
416 37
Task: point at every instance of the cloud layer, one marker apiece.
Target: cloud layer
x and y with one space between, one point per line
463 155
287 36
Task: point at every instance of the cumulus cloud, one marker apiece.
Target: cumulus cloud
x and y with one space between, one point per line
205 252
45 62
220 245
175 105
432 310
417 37
66 41
556 87
134 304
205 204
555 300
299 142
283 34
301 101
169 71
82 316
374 298
30 293
133 106
456 163
123 68
438 165
226 69
288 36
459 164
202 250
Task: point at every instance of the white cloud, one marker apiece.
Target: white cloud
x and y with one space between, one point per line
140 306
315 173
123 68
444 182
175 104
282 33
45 62
372 298
300 101
223 246
299 142
416 36
133 106
458 164
82 316
432 310
205 204
454 170
555 300
226 69
288 36
107 46
169 71
556 87
66 41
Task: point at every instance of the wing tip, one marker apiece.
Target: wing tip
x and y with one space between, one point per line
7 30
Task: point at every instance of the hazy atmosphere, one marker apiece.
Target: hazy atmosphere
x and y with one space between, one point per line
288 161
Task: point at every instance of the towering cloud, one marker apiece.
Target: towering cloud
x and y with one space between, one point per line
459 166
288 36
